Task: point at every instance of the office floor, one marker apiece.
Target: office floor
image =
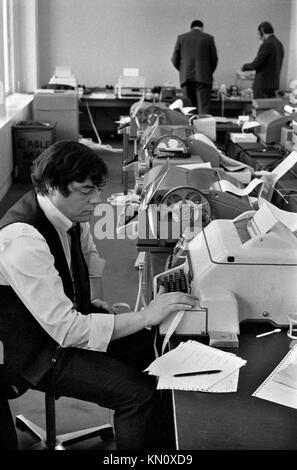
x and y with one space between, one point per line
120 285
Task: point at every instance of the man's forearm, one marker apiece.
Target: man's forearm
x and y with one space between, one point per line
128 323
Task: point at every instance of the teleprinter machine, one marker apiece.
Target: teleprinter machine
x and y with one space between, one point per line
271 123
240 269
172 196
148 112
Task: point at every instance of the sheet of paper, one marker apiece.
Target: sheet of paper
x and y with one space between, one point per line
205 139
288 375
124 120
287 218
193 166
177 104
278 392
264 219
193 356
231 188
187 110
250 125
224 120
100 95
233 165
281 169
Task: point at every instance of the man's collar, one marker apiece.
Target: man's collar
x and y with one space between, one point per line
61 223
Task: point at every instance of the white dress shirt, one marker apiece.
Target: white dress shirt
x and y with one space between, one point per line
27 265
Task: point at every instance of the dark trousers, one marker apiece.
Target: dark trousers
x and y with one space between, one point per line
264 94
199 94
114 380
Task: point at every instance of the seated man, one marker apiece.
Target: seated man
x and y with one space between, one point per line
53 338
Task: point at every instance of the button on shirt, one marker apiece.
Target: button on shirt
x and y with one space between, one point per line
27 265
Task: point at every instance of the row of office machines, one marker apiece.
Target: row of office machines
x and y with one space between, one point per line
228 242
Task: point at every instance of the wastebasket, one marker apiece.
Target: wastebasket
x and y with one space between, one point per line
30 138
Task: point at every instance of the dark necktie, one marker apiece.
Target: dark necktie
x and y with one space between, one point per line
80 272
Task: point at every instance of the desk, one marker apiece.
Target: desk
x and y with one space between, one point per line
234 421
254 154
104 111
230 107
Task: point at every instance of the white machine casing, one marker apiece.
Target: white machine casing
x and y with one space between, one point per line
239 272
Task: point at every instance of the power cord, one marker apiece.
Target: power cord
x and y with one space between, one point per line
92 122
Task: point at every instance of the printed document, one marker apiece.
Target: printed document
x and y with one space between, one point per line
192 356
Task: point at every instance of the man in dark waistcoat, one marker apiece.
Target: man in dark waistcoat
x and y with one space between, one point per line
58 334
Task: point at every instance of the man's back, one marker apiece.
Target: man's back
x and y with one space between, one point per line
195 57
268 64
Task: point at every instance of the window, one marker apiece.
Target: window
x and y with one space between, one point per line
8 45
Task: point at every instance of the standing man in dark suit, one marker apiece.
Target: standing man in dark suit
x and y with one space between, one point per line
267 64
195 57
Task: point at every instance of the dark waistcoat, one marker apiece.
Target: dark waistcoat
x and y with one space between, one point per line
29 351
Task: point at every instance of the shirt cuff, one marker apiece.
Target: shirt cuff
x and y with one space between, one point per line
101 331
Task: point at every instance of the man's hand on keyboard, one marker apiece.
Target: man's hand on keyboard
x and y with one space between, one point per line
166 303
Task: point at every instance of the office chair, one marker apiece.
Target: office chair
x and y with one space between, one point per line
49 438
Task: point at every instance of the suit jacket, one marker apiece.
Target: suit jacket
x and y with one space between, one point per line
267 64
195 56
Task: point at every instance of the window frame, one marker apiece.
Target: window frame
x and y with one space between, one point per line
8 46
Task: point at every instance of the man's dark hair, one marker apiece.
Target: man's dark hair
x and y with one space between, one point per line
64 162
196 23
265 28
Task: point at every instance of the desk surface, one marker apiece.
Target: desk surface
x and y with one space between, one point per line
236 421
233 421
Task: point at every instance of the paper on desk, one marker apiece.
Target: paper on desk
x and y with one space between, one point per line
193 166
250 125
203 138
193 356
288 375
187 110
222 119
177 104
124 120
100 95
233 165
231 188
277 387
227 385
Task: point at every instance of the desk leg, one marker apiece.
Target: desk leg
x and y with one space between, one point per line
148 277
124 160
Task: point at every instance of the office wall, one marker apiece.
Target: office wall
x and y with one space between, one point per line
292 65
97 38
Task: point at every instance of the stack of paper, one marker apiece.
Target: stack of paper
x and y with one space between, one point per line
192 356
